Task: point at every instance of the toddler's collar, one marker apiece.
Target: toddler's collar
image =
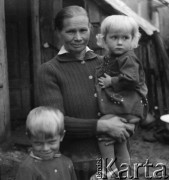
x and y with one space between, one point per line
57 155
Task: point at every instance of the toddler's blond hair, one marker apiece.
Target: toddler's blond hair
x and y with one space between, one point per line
119 23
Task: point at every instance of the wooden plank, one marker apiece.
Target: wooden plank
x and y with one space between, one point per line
93 12
36 50
57 5
163 53
20 73
164 69
159 95
150 78
46 29
4 91
1 75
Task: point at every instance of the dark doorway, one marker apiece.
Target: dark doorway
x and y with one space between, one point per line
17 17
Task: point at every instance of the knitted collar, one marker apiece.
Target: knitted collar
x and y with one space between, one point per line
64 51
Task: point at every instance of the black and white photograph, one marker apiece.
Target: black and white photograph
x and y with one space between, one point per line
84 89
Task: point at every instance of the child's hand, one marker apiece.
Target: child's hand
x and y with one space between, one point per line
105 81
93 177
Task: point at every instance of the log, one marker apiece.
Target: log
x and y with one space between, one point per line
4 87
36 49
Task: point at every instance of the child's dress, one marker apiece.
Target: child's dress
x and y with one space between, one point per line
127 93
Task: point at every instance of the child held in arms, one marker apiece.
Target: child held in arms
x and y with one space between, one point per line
120 83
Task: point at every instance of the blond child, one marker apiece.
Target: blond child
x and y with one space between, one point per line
120 82
45 129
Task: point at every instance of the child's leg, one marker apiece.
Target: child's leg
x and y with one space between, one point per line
123 157
108 155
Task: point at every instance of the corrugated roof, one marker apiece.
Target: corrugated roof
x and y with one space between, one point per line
164 1
124 9
160 3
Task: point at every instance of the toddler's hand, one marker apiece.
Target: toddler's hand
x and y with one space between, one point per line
93 177
105 81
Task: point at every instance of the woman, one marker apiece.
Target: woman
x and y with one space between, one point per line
67 83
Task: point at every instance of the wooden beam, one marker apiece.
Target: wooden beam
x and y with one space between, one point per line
36 49
4 88
47 14
163 53
57 6
164 61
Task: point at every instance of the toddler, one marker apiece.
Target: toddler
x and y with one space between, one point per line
120 82
45 129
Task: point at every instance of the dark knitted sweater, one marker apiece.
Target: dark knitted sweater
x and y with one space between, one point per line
68 84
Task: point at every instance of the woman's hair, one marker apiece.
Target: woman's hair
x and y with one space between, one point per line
44 122
120 23
68 12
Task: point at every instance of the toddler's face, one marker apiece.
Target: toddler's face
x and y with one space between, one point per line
118 42
46 148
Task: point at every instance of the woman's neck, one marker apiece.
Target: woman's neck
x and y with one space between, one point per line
80 56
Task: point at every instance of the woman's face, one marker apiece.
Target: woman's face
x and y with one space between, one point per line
75 33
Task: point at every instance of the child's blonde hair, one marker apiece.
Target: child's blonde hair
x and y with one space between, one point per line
119 23
44 122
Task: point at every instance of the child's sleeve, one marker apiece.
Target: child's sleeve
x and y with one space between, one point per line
129 74
73 175
72 171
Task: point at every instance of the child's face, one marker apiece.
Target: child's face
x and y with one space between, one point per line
46 147
118 42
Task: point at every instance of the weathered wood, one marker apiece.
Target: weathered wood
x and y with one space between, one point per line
163 53
158 96
4 90
93 12
57 5
17 20
36 50
1 75
46 28
163 62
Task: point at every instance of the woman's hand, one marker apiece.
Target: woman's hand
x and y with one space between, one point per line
115 127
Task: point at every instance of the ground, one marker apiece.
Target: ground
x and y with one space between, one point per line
142 151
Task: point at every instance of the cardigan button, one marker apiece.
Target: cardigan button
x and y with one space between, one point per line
90 77
55 170
82 62
99 114
95 94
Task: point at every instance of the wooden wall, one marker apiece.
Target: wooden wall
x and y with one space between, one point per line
17 21
164 24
